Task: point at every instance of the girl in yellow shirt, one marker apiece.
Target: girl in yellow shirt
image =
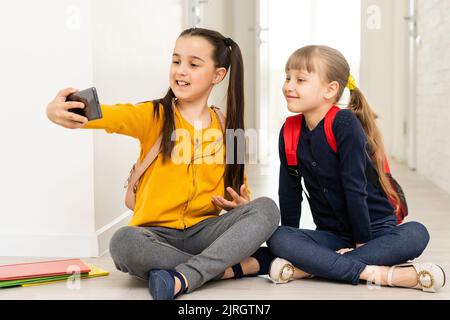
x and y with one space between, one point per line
176 238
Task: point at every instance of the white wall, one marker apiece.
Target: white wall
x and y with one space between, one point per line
433 84
132 49
234 19
383 76
243 19
51 175
384 80
400 104
215 15
46 171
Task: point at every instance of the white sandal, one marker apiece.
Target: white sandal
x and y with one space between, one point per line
430 276
281 271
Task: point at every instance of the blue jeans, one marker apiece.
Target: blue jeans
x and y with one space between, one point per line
314 251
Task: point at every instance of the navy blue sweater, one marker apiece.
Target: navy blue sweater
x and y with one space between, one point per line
341 197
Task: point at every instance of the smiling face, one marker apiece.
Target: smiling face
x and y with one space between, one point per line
193 72
304 90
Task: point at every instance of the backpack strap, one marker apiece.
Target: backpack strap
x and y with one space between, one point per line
292 131
328 127
221 116
140 167
291 136
387 169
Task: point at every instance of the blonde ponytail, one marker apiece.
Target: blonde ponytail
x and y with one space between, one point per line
359 105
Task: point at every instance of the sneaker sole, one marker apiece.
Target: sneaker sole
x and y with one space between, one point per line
443 272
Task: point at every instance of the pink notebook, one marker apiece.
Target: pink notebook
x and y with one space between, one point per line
42 269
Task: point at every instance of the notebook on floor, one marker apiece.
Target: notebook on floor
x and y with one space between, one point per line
42 269
95 272
22 282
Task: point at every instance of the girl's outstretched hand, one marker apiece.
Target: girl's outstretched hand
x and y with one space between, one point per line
238 200
58 111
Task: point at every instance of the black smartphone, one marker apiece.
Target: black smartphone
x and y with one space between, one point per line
89 97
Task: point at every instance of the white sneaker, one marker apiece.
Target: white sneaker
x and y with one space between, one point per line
281 271
430 276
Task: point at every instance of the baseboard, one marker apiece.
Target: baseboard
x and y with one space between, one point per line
105 233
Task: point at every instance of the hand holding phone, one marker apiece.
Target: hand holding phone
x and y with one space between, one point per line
89 98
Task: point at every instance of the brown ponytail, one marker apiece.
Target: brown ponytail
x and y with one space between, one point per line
168 124
226 54
234 172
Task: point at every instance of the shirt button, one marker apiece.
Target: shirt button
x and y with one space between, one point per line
314 164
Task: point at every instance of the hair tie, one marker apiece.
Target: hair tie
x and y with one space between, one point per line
351 85
228 42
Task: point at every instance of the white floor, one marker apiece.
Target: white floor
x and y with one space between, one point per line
428 204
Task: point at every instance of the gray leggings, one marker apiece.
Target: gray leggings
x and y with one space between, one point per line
202 252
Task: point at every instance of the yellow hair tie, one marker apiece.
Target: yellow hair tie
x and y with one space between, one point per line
351 85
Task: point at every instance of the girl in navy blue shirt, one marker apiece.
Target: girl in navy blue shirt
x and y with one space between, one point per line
357 236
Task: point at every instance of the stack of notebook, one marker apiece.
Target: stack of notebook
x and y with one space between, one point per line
44 272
